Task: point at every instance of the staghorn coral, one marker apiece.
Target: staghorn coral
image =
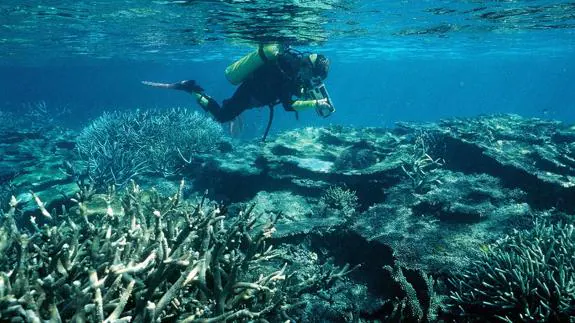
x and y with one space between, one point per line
418 165
526 277
338 201
32 117
414 296
117 146
153 259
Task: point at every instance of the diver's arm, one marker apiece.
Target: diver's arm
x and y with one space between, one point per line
301 105
318 99
321 106
298 103
305 101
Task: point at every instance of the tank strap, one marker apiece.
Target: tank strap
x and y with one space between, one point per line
269 125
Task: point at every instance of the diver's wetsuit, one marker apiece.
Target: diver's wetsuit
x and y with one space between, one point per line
275 82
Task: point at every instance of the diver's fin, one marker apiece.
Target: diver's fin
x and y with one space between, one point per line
187 85
160 85
269 125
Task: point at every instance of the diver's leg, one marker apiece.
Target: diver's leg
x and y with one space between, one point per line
232 107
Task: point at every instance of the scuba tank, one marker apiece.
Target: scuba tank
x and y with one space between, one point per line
240 70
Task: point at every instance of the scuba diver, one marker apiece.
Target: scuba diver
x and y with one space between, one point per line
270 75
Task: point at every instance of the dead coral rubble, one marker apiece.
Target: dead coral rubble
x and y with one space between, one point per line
153 259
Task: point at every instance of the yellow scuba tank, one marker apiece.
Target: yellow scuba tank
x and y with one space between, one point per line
237 72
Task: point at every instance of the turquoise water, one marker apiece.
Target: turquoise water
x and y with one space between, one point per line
431 197
391 60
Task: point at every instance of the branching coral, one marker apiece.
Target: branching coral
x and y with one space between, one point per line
155 259
120 146
526 277
415 298
338 201
418 165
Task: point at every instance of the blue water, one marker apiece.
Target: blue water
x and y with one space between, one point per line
405 61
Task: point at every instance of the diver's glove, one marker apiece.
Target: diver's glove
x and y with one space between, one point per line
324 108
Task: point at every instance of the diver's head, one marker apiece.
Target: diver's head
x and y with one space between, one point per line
314 70
320 65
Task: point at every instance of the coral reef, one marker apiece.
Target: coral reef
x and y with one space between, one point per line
33 117
462 199
528 276
405 207
455 172
359 155
34 159
337 201
153 258
535 155
415 297
121 146
439 230
418 164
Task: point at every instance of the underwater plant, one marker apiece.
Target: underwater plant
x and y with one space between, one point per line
120 146
143 257
528 276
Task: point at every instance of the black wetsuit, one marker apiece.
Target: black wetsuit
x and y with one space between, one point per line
275 82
